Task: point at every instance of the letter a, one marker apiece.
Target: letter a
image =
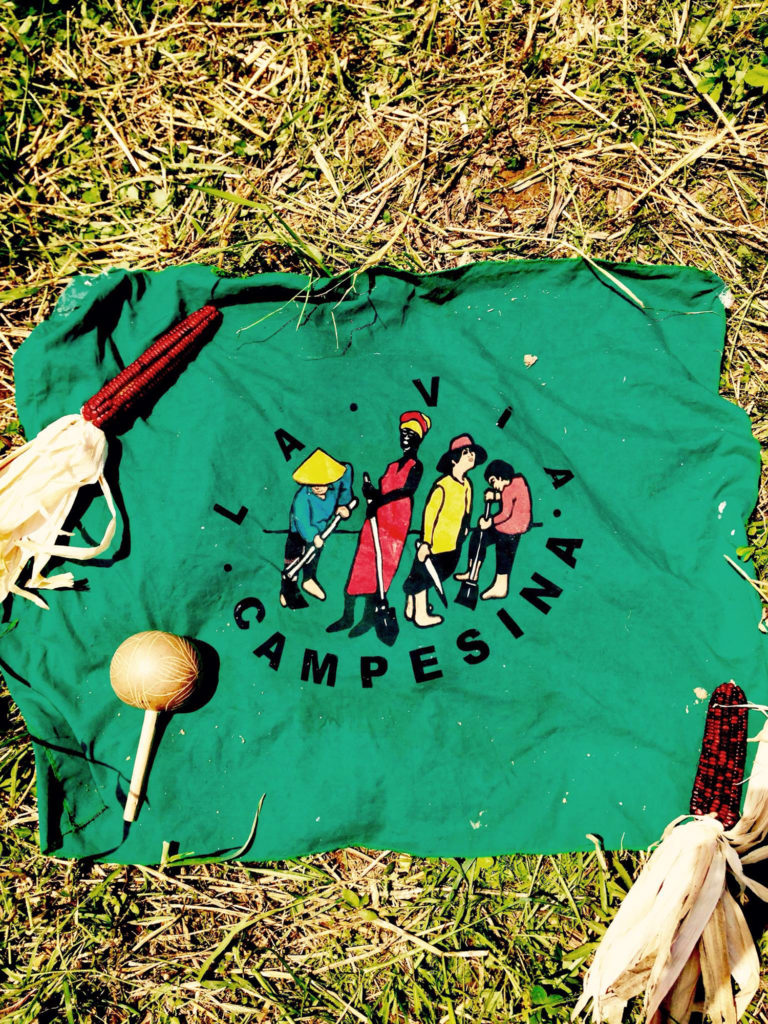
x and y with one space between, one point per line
564 548
272 649
560 477
288 443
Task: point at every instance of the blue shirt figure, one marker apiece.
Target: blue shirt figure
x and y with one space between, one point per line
325 490
315 505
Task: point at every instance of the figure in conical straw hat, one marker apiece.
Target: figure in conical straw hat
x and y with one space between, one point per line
325 492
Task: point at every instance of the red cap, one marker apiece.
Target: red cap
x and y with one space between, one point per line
462 441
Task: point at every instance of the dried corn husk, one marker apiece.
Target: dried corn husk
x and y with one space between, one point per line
39 481
38 486
680 923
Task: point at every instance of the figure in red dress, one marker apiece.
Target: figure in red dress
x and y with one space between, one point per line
392 505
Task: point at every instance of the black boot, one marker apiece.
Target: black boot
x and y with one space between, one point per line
290 595
347 616
367 620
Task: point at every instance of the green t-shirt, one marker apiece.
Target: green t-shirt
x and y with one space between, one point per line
574 703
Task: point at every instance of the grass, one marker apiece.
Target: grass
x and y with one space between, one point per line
291 135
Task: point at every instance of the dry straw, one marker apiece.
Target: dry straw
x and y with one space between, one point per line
325 137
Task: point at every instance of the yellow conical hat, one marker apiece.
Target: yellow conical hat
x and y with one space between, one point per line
319 468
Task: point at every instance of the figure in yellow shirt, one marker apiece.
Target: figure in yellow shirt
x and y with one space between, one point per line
447 515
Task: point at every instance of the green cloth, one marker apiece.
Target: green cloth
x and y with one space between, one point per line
575 705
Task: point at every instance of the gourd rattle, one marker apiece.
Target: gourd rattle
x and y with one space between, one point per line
158 672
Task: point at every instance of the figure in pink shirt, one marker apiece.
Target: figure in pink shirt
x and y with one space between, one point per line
503 529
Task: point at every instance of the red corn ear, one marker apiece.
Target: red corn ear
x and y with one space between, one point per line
163 357
679 924
717 787
40 480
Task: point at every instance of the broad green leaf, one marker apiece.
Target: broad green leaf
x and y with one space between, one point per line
351 898
757 76
539 995
699 29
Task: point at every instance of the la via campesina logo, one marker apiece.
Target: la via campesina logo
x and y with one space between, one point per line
325 498
378 592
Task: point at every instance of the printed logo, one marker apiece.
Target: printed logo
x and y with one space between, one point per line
412 559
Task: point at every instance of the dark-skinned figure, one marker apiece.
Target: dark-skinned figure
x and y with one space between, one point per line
391 503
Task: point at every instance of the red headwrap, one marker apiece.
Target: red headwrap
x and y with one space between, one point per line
417 421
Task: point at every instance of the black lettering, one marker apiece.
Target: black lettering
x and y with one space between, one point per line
560 477
501 422
470 641
311 664
544 588
510 623
371 667
430 397
236 517
243 606
288 443
421 660
564 547
272 649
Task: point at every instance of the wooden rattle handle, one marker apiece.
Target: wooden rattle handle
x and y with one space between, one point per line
140 766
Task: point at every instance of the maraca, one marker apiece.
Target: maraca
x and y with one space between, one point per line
157 672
